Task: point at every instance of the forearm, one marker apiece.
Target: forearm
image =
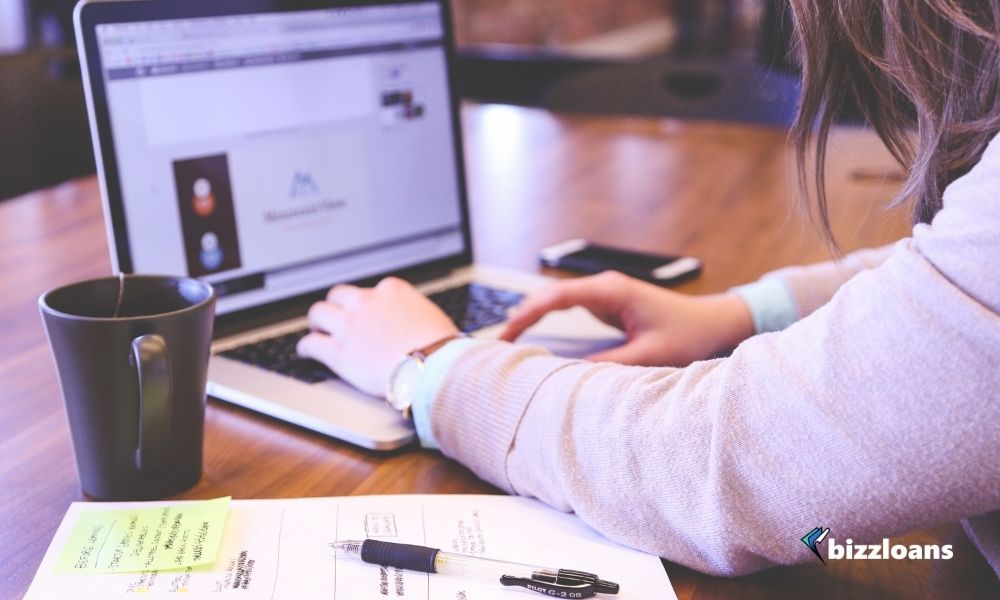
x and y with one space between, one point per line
723 465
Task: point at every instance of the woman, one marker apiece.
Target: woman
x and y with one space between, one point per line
864 396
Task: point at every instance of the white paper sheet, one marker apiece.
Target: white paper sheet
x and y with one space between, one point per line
279 549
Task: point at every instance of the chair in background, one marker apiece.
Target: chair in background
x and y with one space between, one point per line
44 132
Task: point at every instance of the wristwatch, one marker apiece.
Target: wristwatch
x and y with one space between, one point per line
403 381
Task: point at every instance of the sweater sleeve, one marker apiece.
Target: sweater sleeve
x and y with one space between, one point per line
782 297
875 415
812 286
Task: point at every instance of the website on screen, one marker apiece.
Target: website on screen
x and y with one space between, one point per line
278 153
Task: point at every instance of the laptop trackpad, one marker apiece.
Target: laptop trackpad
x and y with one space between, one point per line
573 333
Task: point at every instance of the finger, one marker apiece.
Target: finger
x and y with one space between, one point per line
393 284
631 353
320 346
590 292
532 309
347 296
327 316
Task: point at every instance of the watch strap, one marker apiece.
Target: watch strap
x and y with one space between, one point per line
423 353
419 355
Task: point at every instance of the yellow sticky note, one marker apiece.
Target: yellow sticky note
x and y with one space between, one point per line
130 540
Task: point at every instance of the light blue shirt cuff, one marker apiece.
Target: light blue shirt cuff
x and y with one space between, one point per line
431 377
772 306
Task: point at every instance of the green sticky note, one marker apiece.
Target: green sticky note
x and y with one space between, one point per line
140 538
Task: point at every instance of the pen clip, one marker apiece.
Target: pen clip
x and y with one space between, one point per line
554 590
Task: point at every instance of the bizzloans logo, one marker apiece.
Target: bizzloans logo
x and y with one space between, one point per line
884 551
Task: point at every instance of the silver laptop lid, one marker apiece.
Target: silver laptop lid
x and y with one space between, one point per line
274 150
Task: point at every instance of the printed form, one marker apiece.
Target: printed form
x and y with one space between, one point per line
278 549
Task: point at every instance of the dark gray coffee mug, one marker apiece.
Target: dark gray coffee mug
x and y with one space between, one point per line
132 358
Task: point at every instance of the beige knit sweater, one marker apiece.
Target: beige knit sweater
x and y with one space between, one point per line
876 414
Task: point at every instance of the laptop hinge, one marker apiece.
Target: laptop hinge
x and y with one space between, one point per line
423 275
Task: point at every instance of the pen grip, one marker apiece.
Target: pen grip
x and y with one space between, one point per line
404 556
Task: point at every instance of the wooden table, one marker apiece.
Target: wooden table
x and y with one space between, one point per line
719 192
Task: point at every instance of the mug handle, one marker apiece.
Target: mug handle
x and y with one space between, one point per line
152 363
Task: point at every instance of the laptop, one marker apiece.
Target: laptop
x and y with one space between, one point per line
274 148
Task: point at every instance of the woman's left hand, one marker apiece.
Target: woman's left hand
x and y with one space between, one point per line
363 333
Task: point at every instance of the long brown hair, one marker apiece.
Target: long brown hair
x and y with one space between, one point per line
925 74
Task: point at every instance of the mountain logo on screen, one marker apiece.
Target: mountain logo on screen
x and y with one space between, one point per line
303 185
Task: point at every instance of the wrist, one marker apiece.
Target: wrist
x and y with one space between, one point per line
402 383
431 380
770 302
735 322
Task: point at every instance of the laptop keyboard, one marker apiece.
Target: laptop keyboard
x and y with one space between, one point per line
471 307
278 354
475 306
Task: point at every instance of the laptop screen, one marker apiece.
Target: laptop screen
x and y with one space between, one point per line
278 153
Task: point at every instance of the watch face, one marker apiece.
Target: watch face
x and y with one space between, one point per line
404 380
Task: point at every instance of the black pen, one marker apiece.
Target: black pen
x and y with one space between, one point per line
555 583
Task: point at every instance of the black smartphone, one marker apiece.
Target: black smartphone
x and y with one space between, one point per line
586 257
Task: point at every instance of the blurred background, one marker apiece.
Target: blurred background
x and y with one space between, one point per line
623 28
697 59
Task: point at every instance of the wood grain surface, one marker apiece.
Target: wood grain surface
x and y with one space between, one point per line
719 192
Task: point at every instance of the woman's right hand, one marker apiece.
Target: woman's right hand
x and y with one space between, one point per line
664 328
